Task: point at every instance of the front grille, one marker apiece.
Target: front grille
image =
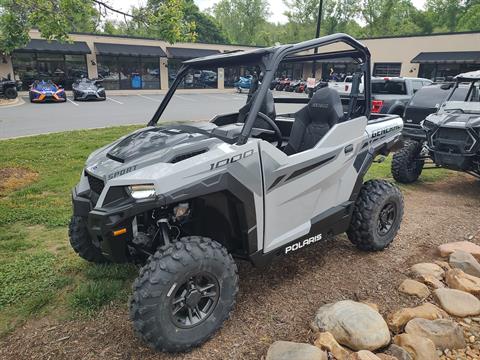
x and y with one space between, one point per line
96 184
451 140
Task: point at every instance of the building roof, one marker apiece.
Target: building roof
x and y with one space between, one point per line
46 46
129 50
189 53
472 57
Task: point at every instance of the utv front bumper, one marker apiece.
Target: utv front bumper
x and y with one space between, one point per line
414 132
111 228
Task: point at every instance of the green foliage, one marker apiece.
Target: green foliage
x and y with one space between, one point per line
242 20
206 26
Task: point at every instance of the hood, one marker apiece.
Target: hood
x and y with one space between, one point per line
145 147
45 86
454 120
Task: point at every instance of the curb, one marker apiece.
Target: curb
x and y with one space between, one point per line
18 101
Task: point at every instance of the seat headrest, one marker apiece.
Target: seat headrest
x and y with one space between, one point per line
325 104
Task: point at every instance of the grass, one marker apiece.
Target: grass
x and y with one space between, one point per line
39 274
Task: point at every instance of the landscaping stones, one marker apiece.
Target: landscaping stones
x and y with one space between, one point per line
467 246
414 288
399 319
398 352
427 269
466 262
457 279
286 350
418 347
386 357
445 334
353 324
326 341
431 281
458 303
363 355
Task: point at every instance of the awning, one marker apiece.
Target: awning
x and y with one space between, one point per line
189 53
459 57
45 46
129 50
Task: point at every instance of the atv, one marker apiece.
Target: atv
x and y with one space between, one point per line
184 201
450 137
9 88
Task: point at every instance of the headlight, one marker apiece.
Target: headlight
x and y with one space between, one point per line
427 124
141 191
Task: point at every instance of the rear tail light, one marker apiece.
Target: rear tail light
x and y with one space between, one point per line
377 106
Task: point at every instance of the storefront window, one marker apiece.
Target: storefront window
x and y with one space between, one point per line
195 79
129 72
444 72
337 71
387 69
233 74
59 68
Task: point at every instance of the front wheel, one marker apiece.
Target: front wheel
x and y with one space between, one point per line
184 294
376 216
406 167
11 93
81 241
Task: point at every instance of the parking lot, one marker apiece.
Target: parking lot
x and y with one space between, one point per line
32 119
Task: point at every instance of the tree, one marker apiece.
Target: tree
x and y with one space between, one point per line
470 20
242 20
207 28
56 18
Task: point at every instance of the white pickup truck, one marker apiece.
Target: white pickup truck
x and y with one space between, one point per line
344 87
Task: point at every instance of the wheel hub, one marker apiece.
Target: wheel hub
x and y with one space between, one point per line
195 300
386 218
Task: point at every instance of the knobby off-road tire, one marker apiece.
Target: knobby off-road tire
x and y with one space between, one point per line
406 168
376 216
160 316
81 241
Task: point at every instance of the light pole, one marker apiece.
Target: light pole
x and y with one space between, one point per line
317 34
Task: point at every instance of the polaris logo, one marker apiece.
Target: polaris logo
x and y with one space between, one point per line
301 244
385 131
122 172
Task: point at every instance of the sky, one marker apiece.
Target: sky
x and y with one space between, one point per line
277 7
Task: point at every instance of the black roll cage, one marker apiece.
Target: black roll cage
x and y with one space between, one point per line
270 59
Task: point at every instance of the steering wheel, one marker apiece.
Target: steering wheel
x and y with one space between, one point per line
274 126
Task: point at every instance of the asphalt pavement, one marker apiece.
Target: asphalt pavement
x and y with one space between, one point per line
32 119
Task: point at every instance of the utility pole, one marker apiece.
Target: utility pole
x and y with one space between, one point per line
317 34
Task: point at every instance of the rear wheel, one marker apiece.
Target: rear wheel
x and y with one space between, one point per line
376 216
81 241
406 167
11 93
184 294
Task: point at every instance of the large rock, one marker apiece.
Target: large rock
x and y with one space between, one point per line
457 279
427 269
418 347
326 341
353 324
398 352
445 334
286 350
363 355
431 281
386 357
458 303
399 319
414 288
467 246
466 262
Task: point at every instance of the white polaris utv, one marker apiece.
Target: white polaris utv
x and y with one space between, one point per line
186 200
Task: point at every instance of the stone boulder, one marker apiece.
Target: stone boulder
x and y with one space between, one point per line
353 324
445 334
414 288
466 262
457 303
400 318
457 279
418 347
286 350
398 352
386 357
363 355
467 246
431 281
327 342
427 269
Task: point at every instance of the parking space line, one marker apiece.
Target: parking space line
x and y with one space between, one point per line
74 103
185 98
111 99
149 98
